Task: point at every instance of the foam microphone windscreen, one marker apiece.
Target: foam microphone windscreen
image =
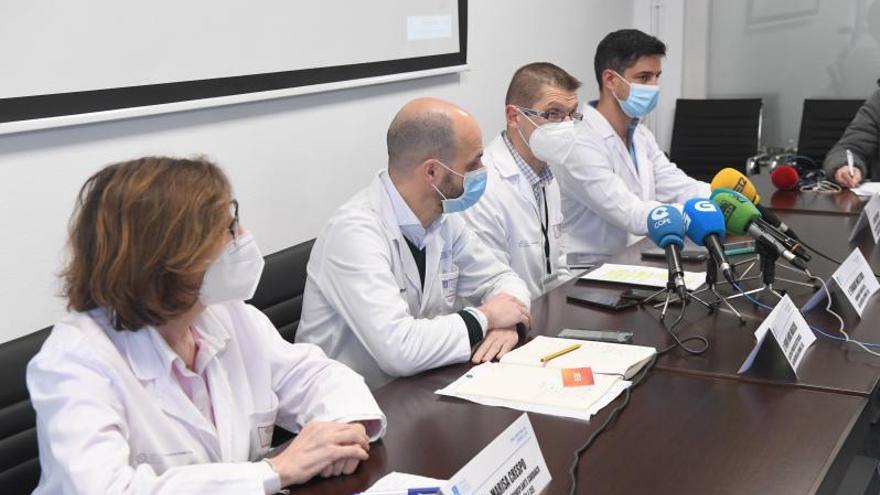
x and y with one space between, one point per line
666 226
738 211
730 178
785 177
702 218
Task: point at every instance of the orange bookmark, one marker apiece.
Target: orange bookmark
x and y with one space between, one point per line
577 377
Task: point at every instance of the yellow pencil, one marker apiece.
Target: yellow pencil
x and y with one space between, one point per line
556 354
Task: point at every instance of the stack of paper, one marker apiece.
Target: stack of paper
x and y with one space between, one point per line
649 276
396 481
521 382
867 189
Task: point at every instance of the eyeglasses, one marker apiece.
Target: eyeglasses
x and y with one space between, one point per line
552 115
233 226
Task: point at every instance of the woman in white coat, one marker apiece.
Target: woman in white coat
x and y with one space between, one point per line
162 380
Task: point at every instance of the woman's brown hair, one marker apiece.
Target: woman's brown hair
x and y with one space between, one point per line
141 236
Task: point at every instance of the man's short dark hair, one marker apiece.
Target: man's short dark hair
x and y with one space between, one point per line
525 86
621 49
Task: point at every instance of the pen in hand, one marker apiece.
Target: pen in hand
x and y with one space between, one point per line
849 163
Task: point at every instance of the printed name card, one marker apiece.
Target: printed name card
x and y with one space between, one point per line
790 330
856 279
870 216
511 465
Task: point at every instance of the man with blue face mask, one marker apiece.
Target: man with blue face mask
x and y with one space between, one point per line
610 170
392 272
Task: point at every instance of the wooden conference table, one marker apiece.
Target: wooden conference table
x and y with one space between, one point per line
843 203
694 426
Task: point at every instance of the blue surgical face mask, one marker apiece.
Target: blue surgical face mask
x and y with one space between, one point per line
641 100
474 185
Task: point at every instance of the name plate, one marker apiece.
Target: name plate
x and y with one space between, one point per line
870 216
856 279
791 331
511 465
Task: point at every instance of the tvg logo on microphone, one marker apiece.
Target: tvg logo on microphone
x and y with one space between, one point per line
704 206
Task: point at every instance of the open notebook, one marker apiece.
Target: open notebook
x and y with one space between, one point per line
520 382
603 357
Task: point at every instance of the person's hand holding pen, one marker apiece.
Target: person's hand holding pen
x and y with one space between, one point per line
848 176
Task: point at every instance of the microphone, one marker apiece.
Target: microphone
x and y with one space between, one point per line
785 177
791 244
733 179
666 229
742 217
704 224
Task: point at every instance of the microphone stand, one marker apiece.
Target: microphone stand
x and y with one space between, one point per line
711 286
743 276
670 291
767 256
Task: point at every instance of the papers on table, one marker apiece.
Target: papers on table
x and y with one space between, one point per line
648 276
510 464
395 481
603 357
520 382
867 189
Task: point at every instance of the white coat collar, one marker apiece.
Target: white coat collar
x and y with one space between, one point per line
147 353
594 119
383 204
410 225
598 121
503 160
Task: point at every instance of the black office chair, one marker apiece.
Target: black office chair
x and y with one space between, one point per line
709 135
19 458
281 287
822 125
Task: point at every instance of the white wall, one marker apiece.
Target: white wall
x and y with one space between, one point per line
291 161
789 50
665 20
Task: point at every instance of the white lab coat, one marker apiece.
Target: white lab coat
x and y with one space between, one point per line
112 418
508 219
605 201
363 301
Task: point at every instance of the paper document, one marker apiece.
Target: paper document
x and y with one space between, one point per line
867 189
520 382
603 357
648 276
529 385
401 481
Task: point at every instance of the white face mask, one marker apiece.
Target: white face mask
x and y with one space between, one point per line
235 274
551 143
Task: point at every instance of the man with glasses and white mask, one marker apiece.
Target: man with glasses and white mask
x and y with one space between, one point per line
388 272
610 170
520 214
